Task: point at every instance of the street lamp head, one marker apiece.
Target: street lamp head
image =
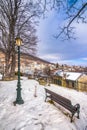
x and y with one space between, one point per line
18 41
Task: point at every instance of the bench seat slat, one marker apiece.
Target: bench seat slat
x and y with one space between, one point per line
58 96
64 104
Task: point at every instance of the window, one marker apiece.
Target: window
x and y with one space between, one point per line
73 85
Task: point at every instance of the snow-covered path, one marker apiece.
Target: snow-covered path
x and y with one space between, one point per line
35 114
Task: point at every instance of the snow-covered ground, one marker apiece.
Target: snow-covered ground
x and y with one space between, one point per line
35 114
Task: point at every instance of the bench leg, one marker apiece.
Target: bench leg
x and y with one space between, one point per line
72 117
78 114
45 97
77 106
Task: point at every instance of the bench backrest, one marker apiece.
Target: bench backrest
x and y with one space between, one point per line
61 100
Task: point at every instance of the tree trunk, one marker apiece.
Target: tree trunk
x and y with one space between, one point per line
13 57
7 64
13 64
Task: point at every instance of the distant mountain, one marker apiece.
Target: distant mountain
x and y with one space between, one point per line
31 57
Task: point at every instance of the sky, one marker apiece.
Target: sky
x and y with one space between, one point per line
35 113
72 52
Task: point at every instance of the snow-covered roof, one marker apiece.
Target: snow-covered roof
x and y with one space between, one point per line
68 75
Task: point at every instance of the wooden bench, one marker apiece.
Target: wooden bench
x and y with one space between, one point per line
66 103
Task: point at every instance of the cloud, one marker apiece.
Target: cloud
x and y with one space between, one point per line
81 32
56 50
51 57
85 59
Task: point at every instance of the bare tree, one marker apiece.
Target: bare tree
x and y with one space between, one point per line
73 11
17 18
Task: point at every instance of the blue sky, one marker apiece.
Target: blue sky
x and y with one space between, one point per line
73 52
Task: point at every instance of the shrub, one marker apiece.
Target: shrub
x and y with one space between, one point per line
21 74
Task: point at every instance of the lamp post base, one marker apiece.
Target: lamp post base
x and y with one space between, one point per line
18 102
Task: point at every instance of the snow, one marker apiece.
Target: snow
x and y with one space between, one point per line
69 75
0 76
35 114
